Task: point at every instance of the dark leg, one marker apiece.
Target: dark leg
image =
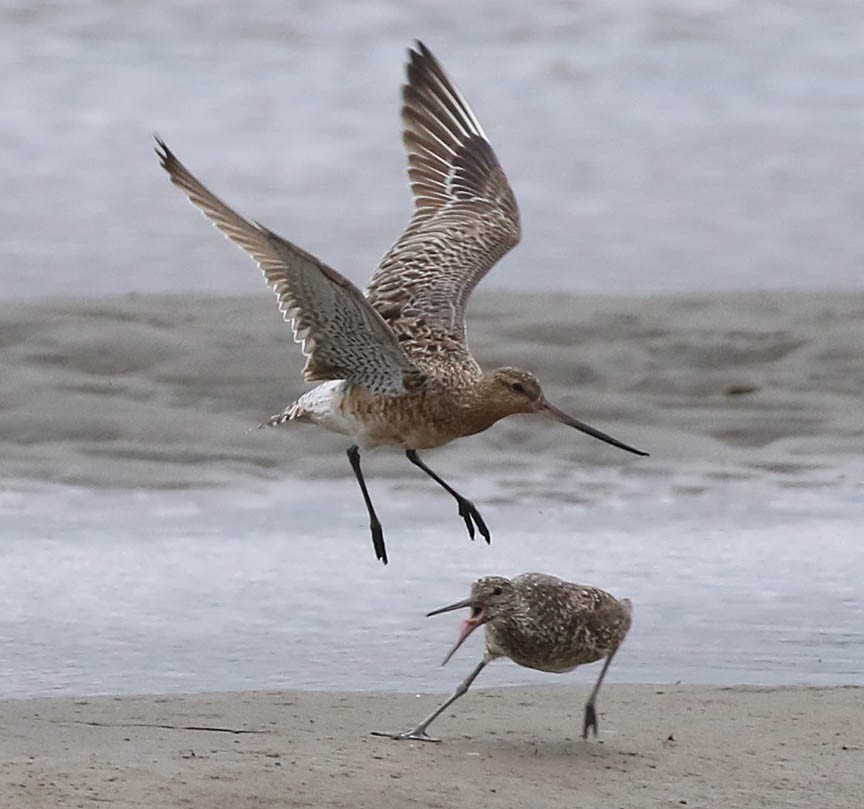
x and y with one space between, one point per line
590 721
374 524
419 733
467 511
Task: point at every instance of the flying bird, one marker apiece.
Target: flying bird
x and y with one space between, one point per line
393 364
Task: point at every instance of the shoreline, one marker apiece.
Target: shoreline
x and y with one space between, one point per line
659 745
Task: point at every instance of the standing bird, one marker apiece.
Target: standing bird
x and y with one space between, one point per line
539 622
394 364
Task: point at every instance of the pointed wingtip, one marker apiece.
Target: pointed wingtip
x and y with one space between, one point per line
419 53
165 155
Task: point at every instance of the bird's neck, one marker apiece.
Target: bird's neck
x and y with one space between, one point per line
479 414
482 405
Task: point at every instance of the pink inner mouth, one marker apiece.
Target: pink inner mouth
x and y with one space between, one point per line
468 626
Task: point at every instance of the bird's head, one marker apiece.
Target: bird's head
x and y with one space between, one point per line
507 391
491 597
515 391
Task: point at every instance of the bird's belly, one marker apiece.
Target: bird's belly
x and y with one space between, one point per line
550 653
409 422
557 664
373 421
403 432
555 661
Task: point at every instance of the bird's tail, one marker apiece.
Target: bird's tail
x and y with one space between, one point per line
291 413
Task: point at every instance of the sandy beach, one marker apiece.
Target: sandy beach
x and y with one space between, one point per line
659 746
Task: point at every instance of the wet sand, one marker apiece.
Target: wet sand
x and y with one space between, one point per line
659 746
165 392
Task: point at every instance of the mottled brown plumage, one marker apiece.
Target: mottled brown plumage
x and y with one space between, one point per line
394 363
465 219
540 622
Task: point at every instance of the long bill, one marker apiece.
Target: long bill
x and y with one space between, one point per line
559 415
468 625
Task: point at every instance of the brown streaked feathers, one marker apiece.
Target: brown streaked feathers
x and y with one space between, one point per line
341 335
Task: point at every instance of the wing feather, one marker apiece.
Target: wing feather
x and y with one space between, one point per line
340 333
465 215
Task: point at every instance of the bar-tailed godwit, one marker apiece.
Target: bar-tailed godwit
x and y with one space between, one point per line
394 363
539 622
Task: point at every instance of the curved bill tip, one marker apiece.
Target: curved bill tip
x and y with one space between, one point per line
559 415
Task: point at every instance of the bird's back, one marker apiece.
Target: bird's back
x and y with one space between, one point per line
557 625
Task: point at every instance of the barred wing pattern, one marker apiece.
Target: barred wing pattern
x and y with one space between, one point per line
340 333
465 215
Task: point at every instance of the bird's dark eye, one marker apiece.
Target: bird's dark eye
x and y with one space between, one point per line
518 387
497 591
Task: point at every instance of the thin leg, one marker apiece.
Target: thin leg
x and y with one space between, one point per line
419 733
374 524
467 510
590 720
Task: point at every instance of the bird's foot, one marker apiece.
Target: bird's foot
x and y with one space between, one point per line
590 720
416 735
378 541
468 512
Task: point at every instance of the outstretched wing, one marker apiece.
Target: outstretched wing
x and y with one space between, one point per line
342 336
465 215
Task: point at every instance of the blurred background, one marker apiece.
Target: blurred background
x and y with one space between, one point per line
654 145
153 541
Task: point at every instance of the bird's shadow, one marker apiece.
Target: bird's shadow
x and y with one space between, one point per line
518 744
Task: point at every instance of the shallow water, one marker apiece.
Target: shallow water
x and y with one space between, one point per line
653 146
109 592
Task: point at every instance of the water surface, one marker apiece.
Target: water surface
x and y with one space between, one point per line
277 587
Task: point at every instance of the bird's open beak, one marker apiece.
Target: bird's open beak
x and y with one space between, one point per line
468 625
560 415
